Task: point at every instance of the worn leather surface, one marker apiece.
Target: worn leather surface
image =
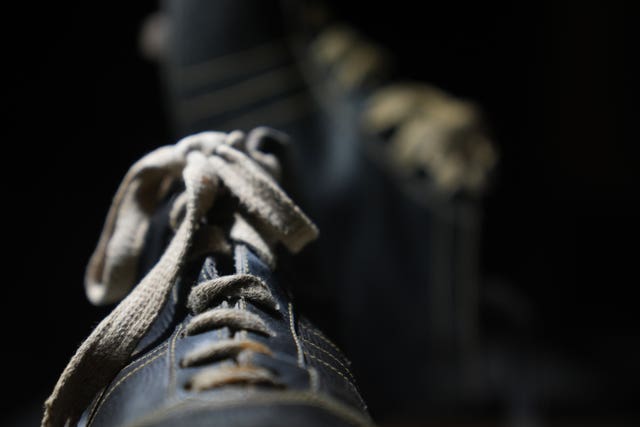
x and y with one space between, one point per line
276 410
319 388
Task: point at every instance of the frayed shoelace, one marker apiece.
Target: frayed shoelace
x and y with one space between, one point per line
245 286
204 162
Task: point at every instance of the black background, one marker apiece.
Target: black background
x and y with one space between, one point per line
556 80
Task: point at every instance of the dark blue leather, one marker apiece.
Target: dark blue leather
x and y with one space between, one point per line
318 385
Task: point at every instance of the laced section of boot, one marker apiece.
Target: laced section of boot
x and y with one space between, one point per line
241 286
208 164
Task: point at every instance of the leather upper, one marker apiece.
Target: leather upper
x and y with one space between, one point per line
314 374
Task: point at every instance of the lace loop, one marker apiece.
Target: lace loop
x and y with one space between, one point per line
245 287
239 285
222 350
204 162
245 374
233 318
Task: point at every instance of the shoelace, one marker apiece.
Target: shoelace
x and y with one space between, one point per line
245 286
204 162
433 133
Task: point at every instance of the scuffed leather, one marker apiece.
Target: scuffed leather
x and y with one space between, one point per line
318 387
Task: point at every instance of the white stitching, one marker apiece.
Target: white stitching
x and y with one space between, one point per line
322 337
330 355
364 405
123 379
295 337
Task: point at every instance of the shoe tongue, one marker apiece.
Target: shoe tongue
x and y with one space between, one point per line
157 237
208 270
213 267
